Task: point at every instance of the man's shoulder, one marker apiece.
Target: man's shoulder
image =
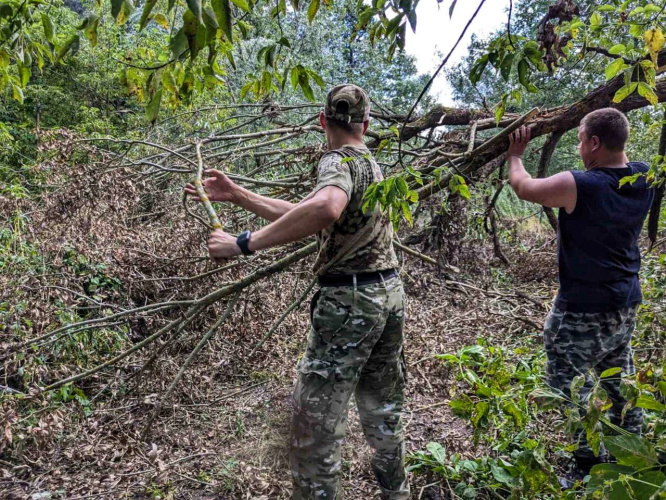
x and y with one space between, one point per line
639 166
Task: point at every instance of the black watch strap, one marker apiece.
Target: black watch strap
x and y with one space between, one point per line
243 242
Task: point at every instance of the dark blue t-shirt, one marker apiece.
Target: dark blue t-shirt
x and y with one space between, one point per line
598 249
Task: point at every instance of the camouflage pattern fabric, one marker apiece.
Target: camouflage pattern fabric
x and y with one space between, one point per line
354 347
579 342
358 242
347 103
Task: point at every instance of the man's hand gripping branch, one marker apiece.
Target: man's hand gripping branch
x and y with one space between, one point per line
558 191
290 222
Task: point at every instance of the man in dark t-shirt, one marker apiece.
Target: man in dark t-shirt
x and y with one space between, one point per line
593 318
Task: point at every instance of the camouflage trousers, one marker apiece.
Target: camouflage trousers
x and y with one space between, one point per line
577 343
354 347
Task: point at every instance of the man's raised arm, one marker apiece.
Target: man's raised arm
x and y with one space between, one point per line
316 212
220 188
557 191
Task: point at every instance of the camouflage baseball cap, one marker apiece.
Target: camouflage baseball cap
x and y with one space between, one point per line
348 103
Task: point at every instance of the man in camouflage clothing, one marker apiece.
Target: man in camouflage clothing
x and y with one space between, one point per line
593 318
355 342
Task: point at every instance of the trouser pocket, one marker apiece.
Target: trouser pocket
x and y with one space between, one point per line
313 303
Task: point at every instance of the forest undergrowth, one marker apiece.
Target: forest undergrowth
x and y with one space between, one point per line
72 252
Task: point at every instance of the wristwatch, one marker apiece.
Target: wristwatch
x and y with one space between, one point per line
243 242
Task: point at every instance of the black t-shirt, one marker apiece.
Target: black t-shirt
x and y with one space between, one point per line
599 258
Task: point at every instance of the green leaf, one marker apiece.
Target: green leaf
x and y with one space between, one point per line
195 7
648 402
647 484
523 67
304 83
91 29
72 44
411 17
499 112
224 15
506 65
270 56
477 69
294 77
121 10
191 28
210 21
662 388
610 372
153 108
511 409
313 9
169 81
437 451
25 73
17 93
480 411
242 4
636 30
625 92
245 89
595 20
632 450
161 20
145 15
503 476
317 78
406 213
644 90
178 44
266 80
49 28
629 179
403 188
116 6
617 49
614 68
603 473
452 8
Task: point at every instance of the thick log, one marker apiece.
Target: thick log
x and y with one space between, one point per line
562 119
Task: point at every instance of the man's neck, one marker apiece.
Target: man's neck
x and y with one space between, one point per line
337 142
611 160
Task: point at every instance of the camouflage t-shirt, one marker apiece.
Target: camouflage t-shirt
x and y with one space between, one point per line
357 242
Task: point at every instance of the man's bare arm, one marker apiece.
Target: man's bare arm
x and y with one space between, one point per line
316 212
558 191
267 208
220 188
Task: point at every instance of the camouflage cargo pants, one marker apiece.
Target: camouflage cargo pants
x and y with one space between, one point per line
579 342
354 347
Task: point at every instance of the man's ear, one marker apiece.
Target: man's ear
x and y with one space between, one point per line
322 120
365 126
596 143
